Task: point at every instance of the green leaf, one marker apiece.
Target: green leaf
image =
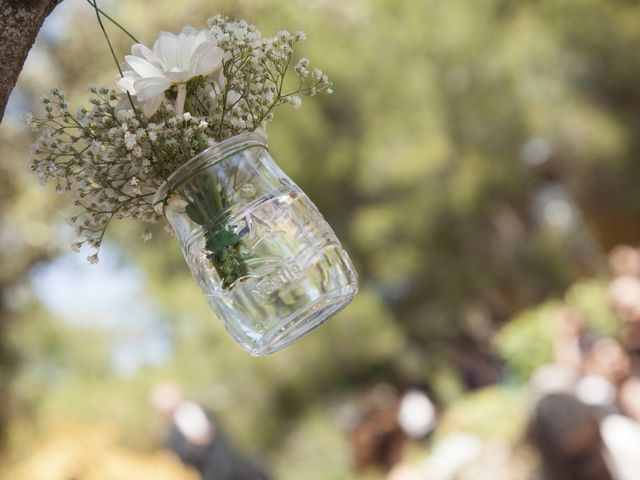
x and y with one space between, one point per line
194 214
220 239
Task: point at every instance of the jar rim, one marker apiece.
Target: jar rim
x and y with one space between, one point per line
206 158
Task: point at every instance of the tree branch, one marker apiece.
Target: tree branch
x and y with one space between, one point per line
20 22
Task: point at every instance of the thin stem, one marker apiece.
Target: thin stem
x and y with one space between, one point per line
106 36
113 21
113 53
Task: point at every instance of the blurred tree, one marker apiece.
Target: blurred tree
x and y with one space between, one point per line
19 25
23 244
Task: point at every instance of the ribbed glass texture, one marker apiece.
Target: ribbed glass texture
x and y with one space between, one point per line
271 267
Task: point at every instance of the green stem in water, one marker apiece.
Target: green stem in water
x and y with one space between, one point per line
222 243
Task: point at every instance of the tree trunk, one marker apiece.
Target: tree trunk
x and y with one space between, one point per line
20 22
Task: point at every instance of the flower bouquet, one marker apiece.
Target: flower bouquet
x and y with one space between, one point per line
183 136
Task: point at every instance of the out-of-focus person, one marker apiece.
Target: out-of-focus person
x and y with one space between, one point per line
387 421
377 438
567 434
198 441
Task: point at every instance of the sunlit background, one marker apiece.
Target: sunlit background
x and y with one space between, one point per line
480 161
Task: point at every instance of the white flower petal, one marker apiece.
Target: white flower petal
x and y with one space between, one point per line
150 87
207 59
219 80
126 81
140 50
166 49
143 67
185 48
177 75
152 105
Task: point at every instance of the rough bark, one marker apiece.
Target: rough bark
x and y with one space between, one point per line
20 21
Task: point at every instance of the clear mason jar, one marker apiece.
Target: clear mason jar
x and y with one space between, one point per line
271 267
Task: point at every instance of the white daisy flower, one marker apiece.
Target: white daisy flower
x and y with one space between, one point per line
174 60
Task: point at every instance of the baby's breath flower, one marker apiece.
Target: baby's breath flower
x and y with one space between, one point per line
283 35
129 140
296 101
111 157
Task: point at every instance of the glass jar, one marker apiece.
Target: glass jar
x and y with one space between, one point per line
271 267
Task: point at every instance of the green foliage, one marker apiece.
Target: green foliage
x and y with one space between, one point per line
493 412
525 342
589 297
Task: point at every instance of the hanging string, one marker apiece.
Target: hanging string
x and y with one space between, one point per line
94 4
105 15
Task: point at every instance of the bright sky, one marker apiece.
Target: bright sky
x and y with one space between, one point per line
109 296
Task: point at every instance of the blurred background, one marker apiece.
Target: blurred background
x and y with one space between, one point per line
478 159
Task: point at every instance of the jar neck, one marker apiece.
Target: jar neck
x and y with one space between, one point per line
206 159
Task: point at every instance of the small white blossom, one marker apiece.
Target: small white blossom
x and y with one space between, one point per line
93 259
296 101
146 236
129 141
283 35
